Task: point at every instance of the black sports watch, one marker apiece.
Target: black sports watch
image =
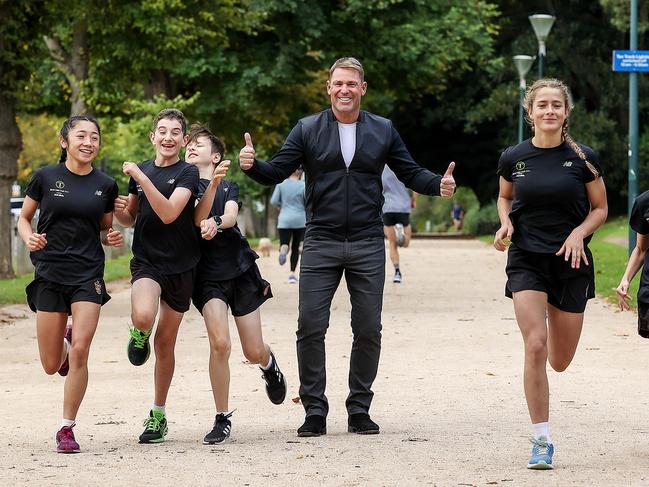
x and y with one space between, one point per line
218 221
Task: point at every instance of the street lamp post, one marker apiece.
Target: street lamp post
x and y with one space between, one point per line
541 23
523 65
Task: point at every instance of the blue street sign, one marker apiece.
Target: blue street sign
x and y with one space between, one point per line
631 60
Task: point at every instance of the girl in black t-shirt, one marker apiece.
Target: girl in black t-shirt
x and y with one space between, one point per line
227 277
551 200
75 202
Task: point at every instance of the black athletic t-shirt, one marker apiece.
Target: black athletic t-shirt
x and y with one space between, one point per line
228 254
71 209
550 198
169 248
639 221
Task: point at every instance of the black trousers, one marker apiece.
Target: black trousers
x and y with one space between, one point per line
324 261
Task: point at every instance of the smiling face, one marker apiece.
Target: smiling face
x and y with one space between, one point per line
168 138
82 142
345 88
201 153
548 110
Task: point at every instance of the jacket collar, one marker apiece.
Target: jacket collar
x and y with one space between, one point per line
332 118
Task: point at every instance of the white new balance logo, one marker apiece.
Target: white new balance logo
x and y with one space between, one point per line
171 181
567 164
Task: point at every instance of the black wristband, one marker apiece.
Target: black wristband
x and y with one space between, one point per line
218 221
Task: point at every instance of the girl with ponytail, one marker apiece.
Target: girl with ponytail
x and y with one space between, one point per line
551 199
76 214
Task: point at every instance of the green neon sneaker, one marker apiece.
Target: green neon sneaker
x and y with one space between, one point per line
138 346
155 428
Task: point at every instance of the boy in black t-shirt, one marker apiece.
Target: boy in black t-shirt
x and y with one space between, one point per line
165 254
639 221
227 276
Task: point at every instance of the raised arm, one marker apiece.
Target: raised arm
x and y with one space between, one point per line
166 209
282 164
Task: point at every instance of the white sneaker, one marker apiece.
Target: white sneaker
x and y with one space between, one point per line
397 277
400 233
292 279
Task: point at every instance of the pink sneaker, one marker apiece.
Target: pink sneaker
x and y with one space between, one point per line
65 442
65 366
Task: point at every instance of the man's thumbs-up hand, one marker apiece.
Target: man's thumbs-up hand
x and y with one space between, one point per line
447 184
247 153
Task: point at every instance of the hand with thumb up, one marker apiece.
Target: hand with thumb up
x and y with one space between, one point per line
247 153
447 184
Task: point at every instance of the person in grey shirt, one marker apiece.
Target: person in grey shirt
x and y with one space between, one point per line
288 196
397 205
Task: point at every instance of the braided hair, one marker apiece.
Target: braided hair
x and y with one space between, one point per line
68 125
528 103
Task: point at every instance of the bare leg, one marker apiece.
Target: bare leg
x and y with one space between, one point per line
145 296
215 313
164 345
85 316
392 244
408 234
530 307
50 330
564 331
252 341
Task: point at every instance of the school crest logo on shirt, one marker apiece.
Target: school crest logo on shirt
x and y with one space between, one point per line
520 165
59 184
98 287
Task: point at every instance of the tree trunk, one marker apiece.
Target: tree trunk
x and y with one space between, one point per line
159 83
73 62
10 146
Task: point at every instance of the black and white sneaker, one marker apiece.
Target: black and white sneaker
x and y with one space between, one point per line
397 276
275 382
221 430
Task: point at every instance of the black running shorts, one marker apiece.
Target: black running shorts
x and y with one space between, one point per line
176 288
568 289
44 295
243 294
391 219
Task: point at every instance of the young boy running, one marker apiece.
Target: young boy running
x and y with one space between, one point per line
165 254
227 276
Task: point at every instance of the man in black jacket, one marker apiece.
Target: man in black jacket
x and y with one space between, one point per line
343 151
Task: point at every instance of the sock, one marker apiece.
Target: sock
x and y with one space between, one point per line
542 429
396 268
159 408
67 422
270 362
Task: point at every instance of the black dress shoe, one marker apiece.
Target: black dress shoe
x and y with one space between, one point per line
362 424
314 425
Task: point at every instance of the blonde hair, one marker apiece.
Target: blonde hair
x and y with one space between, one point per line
350 63
528 103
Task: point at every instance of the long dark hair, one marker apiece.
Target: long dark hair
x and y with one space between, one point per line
69 124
